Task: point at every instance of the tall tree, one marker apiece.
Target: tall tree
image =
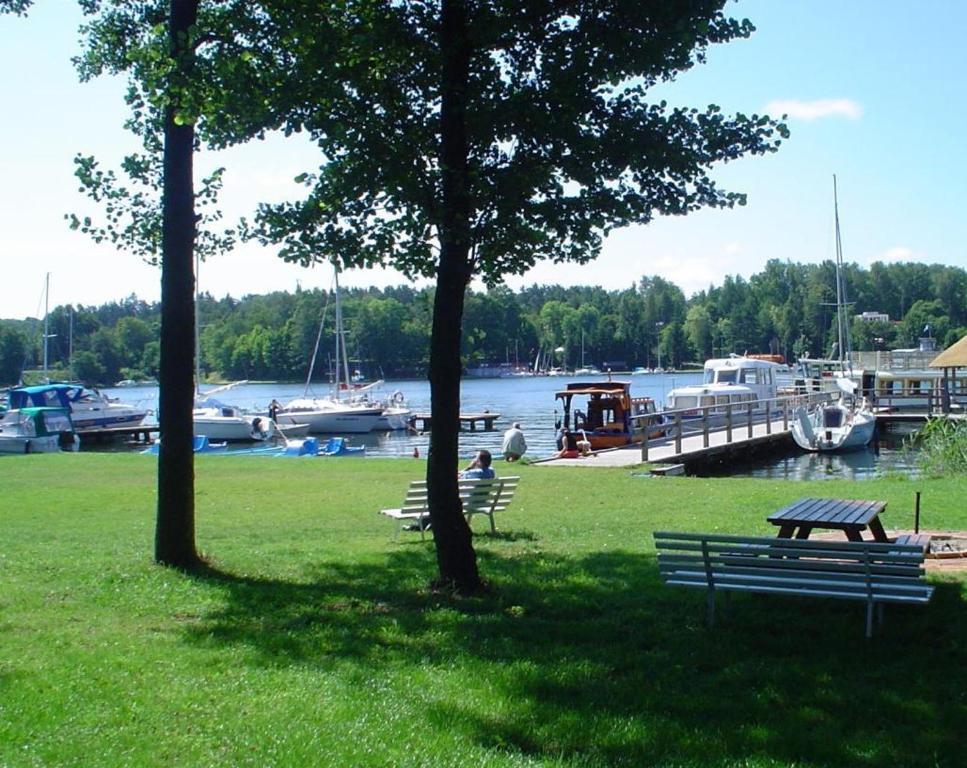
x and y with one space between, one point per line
475 137
157 44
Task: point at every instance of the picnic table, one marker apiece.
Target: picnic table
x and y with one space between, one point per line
850 516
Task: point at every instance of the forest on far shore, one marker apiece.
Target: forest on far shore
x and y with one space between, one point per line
786 309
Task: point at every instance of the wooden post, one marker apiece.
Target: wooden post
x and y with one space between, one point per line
678 433
769 417
749 421
644 445
728 423
705 427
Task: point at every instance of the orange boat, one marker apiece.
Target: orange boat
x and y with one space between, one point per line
607 419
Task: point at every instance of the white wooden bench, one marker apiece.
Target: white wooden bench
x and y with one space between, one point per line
875 573
479 497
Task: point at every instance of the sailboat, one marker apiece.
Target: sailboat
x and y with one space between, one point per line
331 415
847 423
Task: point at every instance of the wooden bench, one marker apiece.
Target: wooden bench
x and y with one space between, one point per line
479 497
872 572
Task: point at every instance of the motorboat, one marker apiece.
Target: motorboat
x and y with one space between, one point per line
737 381
89 409
607 419
218 421
37 430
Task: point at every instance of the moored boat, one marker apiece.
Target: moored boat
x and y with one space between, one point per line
607 419
736 381
37 430
89 409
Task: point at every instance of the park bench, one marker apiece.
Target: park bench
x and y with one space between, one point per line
479 497
873 572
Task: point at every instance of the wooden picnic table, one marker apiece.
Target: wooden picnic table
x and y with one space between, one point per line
850 516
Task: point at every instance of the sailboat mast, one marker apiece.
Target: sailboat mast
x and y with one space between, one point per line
46 320
842 328
340 340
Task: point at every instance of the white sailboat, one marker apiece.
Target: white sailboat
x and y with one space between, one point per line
847 423
331 415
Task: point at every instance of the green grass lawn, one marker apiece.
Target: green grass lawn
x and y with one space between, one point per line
315 642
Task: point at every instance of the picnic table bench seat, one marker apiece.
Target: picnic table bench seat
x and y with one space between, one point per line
872 572
921 540
479 497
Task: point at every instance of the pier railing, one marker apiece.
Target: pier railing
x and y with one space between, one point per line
735 419
932 401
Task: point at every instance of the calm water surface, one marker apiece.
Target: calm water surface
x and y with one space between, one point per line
530 400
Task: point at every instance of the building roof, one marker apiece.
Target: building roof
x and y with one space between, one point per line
954 356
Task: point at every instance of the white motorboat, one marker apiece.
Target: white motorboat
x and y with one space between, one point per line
218 422
89 409
735 381
37 430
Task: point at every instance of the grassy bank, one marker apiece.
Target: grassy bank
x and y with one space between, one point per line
314 642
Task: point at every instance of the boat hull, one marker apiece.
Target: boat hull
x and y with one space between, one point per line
333 421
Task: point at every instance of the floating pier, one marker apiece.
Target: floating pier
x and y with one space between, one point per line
468 421
139 434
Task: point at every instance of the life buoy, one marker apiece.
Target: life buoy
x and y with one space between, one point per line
398 398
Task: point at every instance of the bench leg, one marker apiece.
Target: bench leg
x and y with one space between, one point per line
493 525
710 608
869 620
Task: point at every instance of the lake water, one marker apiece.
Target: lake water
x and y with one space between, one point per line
530 400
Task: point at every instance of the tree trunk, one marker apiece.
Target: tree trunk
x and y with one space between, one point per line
175 528
456 558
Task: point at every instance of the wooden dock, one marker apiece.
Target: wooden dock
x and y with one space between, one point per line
468 421
139 434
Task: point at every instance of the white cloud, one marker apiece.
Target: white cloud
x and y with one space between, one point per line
732 249
815 110
896 253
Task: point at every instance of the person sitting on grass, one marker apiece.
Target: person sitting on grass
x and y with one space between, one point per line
479 468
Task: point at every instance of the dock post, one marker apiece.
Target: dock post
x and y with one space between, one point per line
769 418
728 423
644 445
678 433
749 431
705 427
785 414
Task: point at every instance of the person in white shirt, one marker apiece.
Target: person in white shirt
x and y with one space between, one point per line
515 445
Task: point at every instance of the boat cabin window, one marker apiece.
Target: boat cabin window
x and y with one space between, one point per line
57 422
751 376
684 401
722 376
28 428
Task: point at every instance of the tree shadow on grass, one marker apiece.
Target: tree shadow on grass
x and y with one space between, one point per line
595 661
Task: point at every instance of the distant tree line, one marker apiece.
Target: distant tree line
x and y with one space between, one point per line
786 309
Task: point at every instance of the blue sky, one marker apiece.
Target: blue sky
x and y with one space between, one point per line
875 91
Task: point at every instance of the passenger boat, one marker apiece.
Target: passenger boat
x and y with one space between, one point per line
37 430
737 380
89 409
606 419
